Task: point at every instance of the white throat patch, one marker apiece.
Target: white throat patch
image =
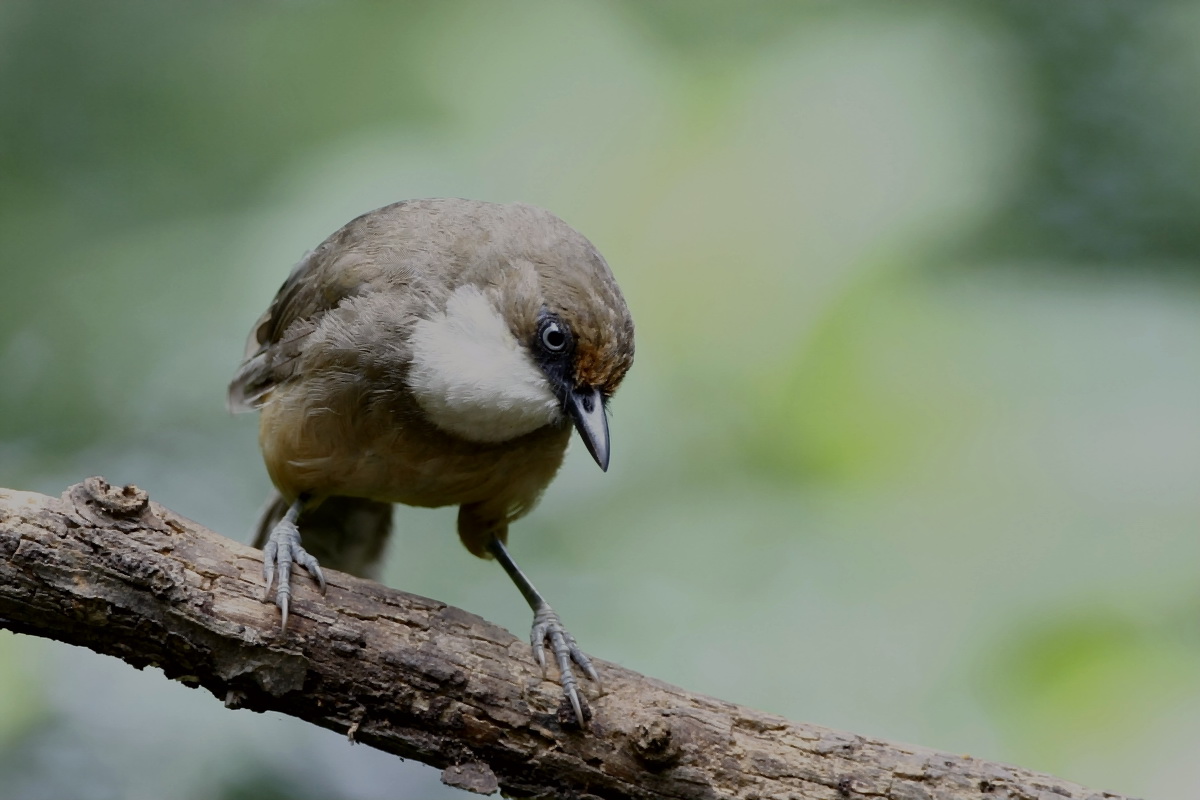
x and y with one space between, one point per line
472 377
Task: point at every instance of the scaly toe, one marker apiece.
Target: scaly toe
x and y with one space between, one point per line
548 629
281 551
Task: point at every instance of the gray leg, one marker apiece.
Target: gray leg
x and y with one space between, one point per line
548 627
280 552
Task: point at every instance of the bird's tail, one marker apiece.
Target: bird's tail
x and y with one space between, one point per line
343 533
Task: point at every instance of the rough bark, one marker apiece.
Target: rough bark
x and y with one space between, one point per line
104 568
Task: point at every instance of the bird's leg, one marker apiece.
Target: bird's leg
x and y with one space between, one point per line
547 627
280 552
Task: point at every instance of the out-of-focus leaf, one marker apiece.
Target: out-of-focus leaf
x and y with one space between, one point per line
1068 687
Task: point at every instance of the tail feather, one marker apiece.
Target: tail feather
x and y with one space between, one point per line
343 533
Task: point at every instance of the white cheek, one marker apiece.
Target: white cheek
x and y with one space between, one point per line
471 376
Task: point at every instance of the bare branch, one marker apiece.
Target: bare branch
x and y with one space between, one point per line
104 568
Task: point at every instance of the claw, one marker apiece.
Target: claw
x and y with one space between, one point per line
281 551
281 600
585 663
304 559
547 626
573 694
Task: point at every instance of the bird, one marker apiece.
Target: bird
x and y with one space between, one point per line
432 352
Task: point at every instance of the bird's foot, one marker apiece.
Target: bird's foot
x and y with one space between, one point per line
280 552
548 628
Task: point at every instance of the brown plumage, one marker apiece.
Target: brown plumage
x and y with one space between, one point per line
431 353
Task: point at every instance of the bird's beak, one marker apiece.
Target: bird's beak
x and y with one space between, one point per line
587 410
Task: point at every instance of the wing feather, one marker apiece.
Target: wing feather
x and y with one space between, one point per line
275 342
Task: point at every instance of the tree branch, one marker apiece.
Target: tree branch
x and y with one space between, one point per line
104 568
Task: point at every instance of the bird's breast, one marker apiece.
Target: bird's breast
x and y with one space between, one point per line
321 437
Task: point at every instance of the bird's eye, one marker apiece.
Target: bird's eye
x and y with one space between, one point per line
553 337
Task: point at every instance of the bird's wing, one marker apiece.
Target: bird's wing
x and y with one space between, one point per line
315 286
411 249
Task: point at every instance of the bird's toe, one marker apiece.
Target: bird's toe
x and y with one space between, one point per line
548 630
280 552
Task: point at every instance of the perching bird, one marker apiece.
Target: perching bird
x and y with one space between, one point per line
431 353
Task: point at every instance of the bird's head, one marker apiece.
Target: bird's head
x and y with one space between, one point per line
582 341
536 332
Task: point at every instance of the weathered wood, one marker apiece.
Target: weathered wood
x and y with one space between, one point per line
104 568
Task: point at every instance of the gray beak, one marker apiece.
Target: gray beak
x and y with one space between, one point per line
587 410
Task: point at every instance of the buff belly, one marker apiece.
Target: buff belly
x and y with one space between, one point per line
377 454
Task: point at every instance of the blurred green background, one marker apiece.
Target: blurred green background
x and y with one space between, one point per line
912 444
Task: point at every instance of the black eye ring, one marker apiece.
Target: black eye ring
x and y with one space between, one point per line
553 337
